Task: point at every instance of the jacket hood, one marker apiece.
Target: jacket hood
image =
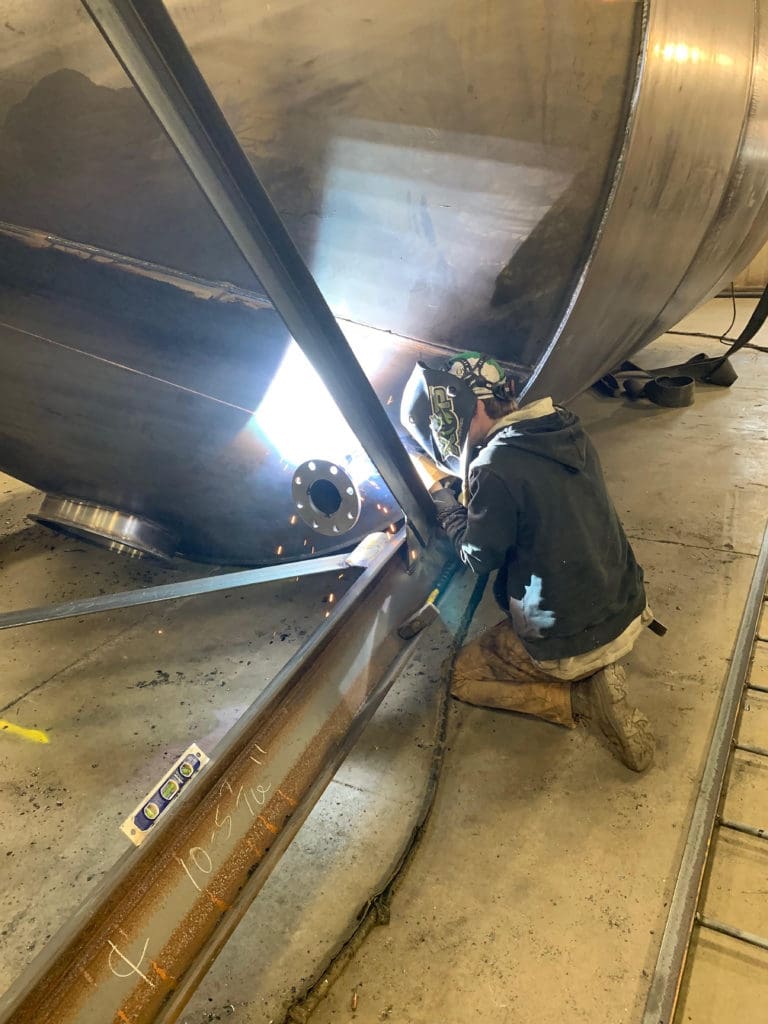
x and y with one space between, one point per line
557 437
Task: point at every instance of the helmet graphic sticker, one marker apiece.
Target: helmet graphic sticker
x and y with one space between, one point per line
444 423
436 410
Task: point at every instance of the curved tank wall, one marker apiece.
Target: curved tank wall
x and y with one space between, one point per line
754 277
555 183
441 165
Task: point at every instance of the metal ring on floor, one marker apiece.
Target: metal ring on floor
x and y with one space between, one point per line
123 532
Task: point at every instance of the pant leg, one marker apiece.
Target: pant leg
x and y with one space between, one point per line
496 671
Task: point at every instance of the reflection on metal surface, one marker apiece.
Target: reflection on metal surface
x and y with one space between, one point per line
170 406
554 183
421 155
326 497
119 531
739 225
149 47
689 202
297 398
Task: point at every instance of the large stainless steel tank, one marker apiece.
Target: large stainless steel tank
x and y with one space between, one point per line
554 182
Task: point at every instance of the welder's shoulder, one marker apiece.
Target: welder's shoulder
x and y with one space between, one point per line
501 459
491 480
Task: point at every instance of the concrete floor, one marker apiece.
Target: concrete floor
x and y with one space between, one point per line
539 891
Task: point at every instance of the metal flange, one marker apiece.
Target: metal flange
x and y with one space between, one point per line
325 497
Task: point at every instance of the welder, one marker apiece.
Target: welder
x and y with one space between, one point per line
520 491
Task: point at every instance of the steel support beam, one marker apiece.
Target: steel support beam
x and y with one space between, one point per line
137 949
735 933
747 830
144 39
175 591
748 748
665 984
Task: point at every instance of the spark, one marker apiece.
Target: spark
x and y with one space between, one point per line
279 549
293 520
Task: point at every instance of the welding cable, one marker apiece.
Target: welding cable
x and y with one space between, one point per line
376 909
756 321
673 386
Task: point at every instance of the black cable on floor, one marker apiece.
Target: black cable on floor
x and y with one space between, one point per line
376 910
727 330
717 337
723 338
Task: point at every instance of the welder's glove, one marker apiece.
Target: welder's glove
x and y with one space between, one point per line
431 475
445 501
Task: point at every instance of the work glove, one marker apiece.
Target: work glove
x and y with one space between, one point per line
445 501
433 478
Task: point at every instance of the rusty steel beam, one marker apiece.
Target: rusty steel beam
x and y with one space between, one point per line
134 953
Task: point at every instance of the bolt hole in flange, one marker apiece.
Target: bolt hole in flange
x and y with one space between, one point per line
325 497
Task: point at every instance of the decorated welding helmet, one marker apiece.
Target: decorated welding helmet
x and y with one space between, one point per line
439 402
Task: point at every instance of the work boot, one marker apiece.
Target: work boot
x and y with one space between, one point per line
601 703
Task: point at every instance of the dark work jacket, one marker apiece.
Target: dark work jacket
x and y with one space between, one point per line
538 511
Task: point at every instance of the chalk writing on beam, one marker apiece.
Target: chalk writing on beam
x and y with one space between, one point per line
199 861
255 759
248 800
134 968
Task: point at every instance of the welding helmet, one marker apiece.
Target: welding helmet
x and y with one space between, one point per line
439 403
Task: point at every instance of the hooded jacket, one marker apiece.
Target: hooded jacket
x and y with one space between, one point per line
538 511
